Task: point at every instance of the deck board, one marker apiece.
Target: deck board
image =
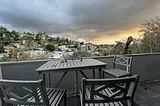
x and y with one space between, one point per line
148 94
56 66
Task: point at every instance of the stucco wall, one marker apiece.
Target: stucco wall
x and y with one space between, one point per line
147 66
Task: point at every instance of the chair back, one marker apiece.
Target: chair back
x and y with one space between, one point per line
109 90
123 61
35 92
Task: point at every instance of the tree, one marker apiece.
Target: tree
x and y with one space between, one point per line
13 53
15 35
76 45
46 37
1 49
42 38
117 49
151 44
51 39
136 47
6 38
39 37
3 29
50 47
151 26
29 41
80 54
129 40
151 35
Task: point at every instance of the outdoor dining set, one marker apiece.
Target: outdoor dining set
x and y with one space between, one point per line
118 90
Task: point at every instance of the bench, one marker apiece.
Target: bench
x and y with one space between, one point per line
108 92
120 61
35 93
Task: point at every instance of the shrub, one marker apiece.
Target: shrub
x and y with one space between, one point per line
50 47
1 49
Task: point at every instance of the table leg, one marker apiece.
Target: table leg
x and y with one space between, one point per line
49 80
100 73
42 76
93 73
44 80
76 82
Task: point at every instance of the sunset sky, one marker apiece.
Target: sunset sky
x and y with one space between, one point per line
96 21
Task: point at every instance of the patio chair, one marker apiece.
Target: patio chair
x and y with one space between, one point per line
121 67
108 92
35 93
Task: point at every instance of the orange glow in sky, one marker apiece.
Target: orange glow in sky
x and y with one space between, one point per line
105 39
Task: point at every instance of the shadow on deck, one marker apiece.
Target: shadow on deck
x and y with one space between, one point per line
147 94
73 101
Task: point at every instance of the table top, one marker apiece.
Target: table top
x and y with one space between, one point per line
56 65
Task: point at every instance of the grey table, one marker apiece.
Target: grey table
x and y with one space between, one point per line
71 65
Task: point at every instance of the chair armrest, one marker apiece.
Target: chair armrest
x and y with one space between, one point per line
81 99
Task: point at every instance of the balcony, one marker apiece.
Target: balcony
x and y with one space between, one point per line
147 66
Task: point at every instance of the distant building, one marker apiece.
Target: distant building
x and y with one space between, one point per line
18 45
8 48
35 54
56 55
64 48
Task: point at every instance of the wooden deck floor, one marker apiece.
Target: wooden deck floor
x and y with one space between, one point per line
148 94
0 102
71 101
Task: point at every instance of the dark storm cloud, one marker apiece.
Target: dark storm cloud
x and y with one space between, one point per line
103 15
86 19
34 15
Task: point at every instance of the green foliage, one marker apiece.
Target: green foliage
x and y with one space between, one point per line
100 50
117 50
15 35
59 49
3 29
1 49
51 39
40 38
105 53
4 58
76 46
29 41
80 54
151 44
151 35
13 53
7 37
150 41
50 47
89 48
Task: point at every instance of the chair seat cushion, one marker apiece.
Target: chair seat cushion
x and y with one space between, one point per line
117 72
54 96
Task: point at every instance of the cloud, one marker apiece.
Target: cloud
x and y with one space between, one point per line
34 15
111 16
87 19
